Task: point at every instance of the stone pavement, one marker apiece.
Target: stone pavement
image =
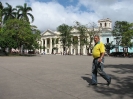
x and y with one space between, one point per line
63 77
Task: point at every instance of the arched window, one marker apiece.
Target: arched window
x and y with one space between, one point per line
105 24
100 24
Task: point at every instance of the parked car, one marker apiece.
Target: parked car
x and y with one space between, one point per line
117 54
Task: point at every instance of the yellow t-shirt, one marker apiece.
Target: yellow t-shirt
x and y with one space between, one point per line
98 49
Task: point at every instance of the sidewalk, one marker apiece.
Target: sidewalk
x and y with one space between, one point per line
63 77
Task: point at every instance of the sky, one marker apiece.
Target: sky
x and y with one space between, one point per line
49 14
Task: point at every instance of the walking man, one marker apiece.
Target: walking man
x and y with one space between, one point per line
97 67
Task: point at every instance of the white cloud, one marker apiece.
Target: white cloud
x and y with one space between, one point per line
49 15
113 9
52 14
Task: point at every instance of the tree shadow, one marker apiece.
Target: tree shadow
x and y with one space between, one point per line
123 85
121 68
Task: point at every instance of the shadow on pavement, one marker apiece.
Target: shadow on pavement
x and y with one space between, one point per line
121 68
123 85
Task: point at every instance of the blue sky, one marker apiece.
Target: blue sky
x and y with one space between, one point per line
65 3
49 14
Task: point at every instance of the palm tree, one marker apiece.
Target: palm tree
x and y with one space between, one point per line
65 35
23 12
9 12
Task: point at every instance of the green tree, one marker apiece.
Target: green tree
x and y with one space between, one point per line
65 35
1 13
23 12
35 37
6 40
2 38
21 34
109 46
75 42
92 30
87 32
123 31
83 34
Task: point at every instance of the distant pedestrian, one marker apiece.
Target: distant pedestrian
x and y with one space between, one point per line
44 52
97 67
64 52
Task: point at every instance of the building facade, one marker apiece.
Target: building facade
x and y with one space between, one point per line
50 40
106 36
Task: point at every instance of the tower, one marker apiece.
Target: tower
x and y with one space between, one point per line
105 24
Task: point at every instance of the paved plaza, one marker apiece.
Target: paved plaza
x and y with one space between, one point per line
63 77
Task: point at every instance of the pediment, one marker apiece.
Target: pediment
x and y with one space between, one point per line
74 30
48 33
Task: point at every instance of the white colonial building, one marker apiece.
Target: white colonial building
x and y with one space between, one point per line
51 39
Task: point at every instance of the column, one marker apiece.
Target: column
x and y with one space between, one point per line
50 51
111 25
42 46
71 48
59 49
39 51
102 25
84 49
46 45
107 24
78 45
